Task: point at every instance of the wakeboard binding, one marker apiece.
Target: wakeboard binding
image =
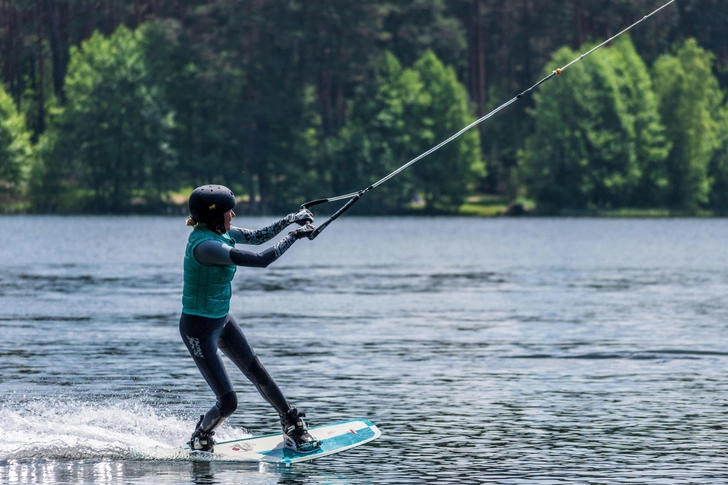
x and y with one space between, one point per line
202 440
295 432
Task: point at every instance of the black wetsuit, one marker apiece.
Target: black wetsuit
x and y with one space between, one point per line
203 336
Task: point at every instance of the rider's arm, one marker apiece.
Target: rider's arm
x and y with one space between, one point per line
211 252
258 236
264 234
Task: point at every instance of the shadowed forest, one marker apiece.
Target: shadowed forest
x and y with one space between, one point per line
124 106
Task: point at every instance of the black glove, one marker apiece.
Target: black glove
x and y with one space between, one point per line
302 217
304 231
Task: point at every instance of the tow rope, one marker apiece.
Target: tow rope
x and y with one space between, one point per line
355 196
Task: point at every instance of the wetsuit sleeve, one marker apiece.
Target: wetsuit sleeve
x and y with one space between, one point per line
216 253
258 236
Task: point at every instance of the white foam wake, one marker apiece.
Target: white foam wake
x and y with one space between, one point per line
68 429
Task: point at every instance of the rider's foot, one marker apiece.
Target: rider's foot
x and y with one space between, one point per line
295 432
201 440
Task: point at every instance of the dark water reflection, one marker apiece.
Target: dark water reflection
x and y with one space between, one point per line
488 351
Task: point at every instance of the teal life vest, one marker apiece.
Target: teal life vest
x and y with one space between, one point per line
207 289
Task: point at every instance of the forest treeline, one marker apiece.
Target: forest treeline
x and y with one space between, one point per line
118 106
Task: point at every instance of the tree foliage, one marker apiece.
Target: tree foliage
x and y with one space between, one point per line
411 110
377 138
718 168
112 136
598 136
289 100
690 99
15 151
444 178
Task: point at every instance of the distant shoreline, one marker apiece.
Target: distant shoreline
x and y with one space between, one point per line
489 214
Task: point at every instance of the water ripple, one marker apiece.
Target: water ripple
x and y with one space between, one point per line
494 351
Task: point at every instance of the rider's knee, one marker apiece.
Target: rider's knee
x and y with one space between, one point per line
228 404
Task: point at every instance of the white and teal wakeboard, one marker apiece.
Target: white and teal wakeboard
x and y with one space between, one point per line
334 438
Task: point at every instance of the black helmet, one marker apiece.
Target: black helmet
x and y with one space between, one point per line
209 204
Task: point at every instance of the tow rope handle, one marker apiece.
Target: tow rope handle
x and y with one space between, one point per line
335 215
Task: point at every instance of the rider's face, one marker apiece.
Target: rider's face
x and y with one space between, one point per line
228 219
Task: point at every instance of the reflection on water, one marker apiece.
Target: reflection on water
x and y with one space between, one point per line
108 472
487 351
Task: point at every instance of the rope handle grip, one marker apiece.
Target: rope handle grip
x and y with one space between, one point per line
336 214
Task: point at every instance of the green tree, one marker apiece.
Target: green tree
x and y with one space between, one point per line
16 151
705 21
111 141
690 100
335 42
415 26
206 96
409 112
597 133
718 169
246 118
378 138
643 122
447 175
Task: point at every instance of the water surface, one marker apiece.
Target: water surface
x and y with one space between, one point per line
487 350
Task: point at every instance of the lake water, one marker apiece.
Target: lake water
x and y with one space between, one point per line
504 351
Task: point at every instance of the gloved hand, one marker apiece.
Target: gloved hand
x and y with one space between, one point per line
302 217
304 231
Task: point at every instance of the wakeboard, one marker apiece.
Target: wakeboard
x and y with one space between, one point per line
334 438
